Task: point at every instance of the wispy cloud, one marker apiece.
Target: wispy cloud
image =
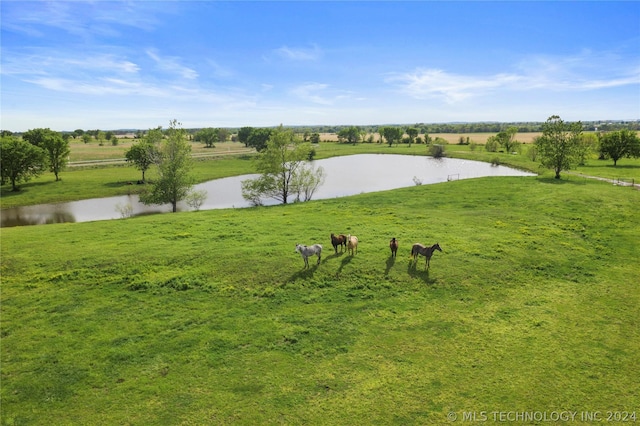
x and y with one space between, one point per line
299 53
172 65
581 72
320 93
80 18
312 92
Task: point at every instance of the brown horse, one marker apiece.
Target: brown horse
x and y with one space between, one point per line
393 245
339 240
427 252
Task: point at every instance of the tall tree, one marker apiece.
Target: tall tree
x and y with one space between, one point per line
58 153
258 138
349 134
282 165
391 134
619 144
243 135
558 145
174 167
56 147
20 161
208 136
412 132
506 139
145 153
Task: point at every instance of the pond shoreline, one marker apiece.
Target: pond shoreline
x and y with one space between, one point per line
345 176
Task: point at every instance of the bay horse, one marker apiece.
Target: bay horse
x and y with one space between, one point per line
339 240
427 252
306 251
393 245
352 244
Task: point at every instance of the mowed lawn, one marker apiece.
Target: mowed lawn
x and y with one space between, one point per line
209 318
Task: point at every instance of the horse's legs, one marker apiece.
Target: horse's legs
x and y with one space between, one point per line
319 256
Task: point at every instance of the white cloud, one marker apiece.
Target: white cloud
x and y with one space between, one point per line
424 83
582 72
172 65
299 54
312 92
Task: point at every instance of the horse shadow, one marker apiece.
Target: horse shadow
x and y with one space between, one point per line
304 273
344 263
419 273
390 262
334 255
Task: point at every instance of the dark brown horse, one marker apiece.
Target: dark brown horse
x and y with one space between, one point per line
393 245
427 252
340 240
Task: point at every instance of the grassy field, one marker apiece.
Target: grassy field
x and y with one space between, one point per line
208 317
105 181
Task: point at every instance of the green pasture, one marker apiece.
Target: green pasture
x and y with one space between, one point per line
111 180
209 318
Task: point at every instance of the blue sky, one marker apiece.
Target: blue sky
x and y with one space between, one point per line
139 64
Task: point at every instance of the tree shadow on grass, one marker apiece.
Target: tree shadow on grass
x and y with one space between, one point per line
564 180
420 273
7 191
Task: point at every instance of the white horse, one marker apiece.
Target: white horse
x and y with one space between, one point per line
306 251
352 244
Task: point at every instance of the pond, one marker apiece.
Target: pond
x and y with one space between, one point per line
344 176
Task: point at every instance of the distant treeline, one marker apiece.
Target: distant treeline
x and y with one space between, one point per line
423 128
489 127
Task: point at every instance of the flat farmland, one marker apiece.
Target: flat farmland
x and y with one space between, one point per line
93 151
452 138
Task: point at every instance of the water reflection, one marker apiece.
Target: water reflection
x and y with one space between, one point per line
345 176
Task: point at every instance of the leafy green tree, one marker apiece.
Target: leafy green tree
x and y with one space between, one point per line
391 134
586 144
56 147
37 136
208 136
412 132
258 138
145 153
349 134
619 144
558 145
20 161
283 171
506 139
174 169
243 135
86 138
58 151
315 137
223 134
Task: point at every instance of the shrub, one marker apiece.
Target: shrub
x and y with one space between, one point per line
491 145
436 150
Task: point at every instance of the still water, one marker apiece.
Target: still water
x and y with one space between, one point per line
349 175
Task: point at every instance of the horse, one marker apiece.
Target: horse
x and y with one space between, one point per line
306 251
340 240
427 252
393 245
352 244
